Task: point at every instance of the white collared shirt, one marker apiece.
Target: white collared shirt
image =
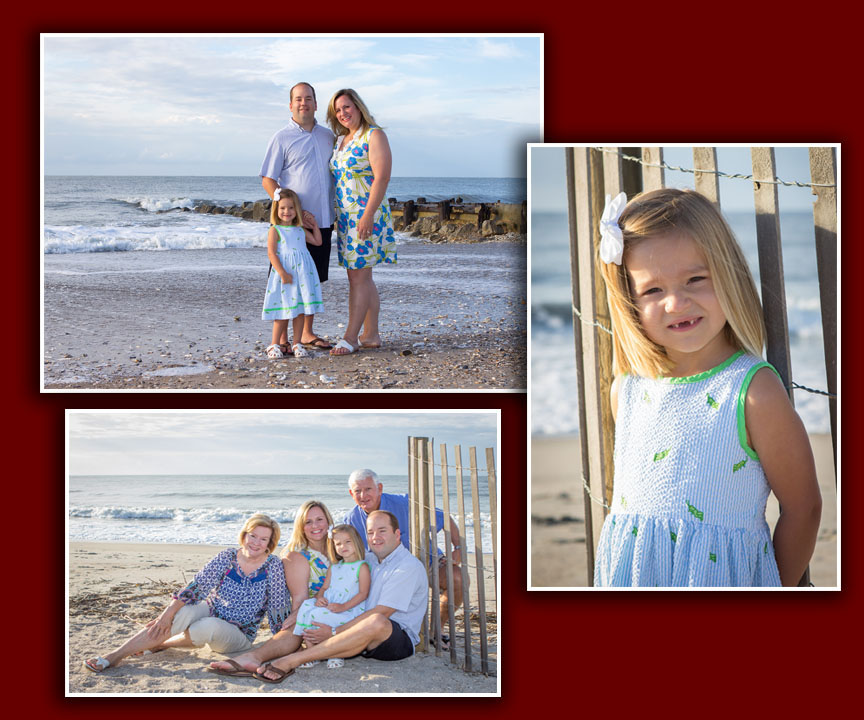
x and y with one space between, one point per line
399 581
300 161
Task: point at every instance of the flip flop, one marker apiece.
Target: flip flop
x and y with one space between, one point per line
272 668
370 346
345 346
445 641
98 665
238 671
319 343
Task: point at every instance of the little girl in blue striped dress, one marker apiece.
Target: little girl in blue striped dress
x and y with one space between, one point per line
293 288
704 428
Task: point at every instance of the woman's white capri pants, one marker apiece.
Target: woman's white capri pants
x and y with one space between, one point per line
220 635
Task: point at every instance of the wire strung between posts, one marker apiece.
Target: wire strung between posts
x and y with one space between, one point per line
794 385
598 501
435 464
591 323
733 176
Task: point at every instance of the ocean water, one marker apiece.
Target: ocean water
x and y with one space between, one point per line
210 509
554 403
84 214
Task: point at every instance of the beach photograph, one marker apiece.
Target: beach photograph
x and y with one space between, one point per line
152 497
155 215
561 548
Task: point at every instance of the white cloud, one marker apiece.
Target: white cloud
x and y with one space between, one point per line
497 50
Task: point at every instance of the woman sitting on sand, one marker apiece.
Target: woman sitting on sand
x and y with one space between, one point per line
361 166
305 562
223 605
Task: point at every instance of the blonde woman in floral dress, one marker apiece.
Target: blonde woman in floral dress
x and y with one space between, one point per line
361 166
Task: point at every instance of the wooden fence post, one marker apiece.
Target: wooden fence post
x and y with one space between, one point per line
653 178
430 535
823 171
596 344
771 264
466 597
493 510
707 183
478 560
445 506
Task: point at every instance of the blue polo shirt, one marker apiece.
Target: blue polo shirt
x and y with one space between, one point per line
300 161
399 506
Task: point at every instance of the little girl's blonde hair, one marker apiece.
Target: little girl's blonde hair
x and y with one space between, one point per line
286 194
689 213
355 538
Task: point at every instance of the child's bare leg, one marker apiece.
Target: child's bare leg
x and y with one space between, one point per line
280 330
297 325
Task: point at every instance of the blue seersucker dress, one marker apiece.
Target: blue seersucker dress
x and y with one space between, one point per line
688 508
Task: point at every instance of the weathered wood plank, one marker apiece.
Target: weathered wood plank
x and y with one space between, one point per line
653 178
466 598
596 344
707 183
771 264
823 171
478 559
578 331
448 554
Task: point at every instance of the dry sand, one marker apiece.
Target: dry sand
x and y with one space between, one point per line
115 588
558 551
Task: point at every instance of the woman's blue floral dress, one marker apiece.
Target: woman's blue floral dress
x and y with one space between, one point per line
352 173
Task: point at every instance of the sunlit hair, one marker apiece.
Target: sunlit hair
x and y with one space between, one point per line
260 520
286 194
359 547
291 93
298 539
362 474
366 119
685 212
394 523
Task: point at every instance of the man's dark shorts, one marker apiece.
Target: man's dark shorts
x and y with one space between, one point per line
396 647
321 253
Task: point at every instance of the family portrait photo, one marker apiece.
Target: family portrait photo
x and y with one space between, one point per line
256 212
239 552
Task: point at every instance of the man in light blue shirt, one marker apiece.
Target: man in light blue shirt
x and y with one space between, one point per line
298 158
369 496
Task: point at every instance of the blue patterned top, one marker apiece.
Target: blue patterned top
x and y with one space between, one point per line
238 598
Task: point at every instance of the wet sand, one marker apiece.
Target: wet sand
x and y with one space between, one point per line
453 316
558 550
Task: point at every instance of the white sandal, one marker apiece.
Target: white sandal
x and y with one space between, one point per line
311 663
98 665
344 345
300 351
274 352
336 663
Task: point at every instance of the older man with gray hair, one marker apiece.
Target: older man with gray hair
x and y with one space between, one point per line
369 496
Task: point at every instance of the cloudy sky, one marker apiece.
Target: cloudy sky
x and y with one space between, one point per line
260 442
207 105
548 179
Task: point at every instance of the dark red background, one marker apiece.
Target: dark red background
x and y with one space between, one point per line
685 73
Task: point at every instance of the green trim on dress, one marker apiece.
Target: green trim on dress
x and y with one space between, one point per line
703 375
742 399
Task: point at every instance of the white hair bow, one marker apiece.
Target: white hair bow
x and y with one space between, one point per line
611 237
276 194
